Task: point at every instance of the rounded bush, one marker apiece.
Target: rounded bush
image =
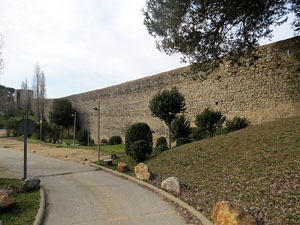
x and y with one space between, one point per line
115 140
236 123
137 132
46 130
55 131
182 141
161 145
180 128
208 121
197 134
140 150
11 127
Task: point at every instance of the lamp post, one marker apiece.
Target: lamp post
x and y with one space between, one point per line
88 137
41 127
74 128
98 147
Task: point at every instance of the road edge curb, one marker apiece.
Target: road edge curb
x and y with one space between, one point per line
39 218
163 193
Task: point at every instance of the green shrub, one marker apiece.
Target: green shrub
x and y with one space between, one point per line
137 132
11 127
161 145
46 130
180 127
182 141
196 134
54 132
236 123
115 140
208 121
140 150
82 137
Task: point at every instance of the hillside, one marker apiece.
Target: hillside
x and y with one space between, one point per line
257 167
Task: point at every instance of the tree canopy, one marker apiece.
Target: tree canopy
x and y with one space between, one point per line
61 113
201 30
166 105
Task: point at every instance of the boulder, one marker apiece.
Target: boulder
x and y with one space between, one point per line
122 167
6 198
31 184
229 213
107 162
172 184
142 172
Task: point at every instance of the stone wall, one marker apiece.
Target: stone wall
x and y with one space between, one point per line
265 90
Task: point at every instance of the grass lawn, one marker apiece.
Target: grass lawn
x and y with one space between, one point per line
257 167
109 149
26 208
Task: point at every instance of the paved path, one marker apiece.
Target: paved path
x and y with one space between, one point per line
77 194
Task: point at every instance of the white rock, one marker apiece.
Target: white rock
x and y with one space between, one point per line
172 184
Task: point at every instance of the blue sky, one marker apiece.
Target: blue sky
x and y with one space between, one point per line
82 45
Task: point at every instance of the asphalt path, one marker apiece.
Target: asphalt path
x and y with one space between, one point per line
78 194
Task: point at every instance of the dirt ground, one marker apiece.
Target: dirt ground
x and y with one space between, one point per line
83 156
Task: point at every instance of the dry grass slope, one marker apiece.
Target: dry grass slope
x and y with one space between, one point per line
257 167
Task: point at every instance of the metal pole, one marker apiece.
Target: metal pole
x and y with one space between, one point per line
41 127
88 137
98 131
25 148
74 129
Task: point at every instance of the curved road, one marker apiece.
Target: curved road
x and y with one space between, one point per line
80 195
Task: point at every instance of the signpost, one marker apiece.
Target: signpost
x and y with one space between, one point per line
25 127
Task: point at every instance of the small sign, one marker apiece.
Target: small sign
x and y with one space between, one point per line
30 126
41 121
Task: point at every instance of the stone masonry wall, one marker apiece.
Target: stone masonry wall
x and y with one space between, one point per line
263 91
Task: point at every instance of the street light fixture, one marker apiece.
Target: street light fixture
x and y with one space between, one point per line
74 128
98 147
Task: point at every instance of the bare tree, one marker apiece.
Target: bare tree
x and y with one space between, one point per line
24 97
39 92
42 94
